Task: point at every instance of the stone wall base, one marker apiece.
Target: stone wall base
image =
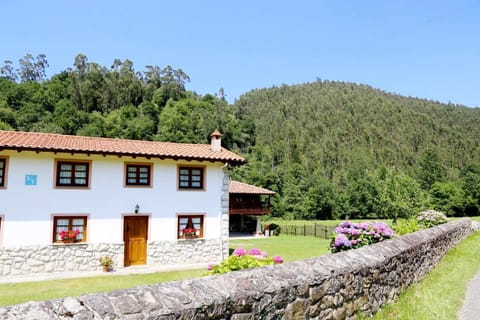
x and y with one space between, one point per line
48 259
184 251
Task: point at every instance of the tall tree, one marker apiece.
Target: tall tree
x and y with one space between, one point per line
7 71
32 69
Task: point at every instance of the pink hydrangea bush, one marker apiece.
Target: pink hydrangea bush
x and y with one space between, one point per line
244 259
355 235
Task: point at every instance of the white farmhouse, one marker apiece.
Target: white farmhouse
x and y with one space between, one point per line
66 201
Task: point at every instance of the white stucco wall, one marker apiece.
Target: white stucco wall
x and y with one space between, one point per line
27 210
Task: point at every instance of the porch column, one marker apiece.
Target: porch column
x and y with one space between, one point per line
259 225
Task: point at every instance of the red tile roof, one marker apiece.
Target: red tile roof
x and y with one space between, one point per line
240 187
34 141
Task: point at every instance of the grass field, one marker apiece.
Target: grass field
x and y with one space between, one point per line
441 293
290 248
44 290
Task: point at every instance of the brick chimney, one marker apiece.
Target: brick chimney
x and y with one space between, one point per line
216 141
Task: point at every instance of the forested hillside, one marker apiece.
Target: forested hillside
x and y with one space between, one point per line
329 149
332 149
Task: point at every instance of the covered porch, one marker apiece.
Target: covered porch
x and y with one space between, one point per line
247 206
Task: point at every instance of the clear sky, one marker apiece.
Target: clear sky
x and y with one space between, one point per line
422 48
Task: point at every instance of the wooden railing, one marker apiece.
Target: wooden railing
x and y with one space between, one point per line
250 208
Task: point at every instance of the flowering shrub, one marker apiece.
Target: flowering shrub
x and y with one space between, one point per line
355 235
67 235
277 259
243 259
431 218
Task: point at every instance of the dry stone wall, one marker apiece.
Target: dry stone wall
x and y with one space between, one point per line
335 286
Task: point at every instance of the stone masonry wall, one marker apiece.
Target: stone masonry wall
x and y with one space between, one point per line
183 251
225 214
17 261
334 286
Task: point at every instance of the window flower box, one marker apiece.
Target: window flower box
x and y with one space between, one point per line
190 233
69 236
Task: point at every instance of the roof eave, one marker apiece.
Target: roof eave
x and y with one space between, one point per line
124 154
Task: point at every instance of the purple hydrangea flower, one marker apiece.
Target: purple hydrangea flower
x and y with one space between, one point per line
388 232
339 230
355 232
340 240
345 224
364 225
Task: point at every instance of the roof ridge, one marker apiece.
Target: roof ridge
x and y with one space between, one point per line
71 136
54 142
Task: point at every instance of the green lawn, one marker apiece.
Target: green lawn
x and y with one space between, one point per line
441 293
44 290
290 248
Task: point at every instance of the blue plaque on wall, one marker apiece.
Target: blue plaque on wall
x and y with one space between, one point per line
30 179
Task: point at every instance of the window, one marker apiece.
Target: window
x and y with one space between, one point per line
3 172
190 178
190 226
72 174
70 225
138 174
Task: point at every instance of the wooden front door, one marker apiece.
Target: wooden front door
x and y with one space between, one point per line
135 234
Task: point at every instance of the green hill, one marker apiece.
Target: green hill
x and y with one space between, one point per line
340 135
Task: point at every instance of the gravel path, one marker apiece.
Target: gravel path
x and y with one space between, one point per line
471 306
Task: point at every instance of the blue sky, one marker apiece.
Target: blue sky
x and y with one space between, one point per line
427 49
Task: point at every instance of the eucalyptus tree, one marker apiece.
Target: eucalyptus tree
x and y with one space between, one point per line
32 68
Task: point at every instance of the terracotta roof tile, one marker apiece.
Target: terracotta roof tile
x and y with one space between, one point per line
63 143
240 187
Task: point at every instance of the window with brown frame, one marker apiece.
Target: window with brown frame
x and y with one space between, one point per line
72 174
190 226
3 171
70 225
138 174
190 178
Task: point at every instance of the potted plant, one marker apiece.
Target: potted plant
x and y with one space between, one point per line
69 236
190 233
107 263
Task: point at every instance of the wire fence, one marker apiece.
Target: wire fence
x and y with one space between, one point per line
314 230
